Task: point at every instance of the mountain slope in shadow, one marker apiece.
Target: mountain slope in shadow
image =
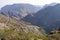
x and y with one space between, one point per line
47 17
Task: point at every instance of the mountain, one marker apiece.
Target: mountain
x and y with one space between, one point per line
19 10
48 17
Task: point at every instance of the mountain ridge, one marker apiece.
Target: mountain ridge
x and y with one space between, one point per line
46 17
20 10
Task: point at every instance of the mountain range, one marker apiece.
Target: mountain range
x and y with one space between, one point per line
30 22
19 10
47 16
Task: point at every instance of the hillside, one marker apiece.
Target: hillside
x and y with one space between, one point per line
13 29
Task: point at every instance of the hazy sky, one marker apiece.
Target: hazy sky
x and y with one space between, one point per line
34 2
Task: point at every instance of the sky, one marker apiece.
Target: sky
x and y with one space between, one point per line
33 2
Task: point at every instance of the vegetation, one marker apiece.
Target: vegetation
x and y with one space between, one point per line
54 35
11 33
13 29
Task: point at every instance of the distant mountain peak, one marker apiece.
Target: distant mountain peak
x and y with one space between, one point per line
19 10
52 4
